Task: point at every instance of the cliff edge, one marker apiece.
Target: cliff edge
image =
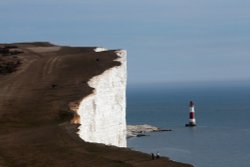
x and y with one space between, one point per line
43 88
103 113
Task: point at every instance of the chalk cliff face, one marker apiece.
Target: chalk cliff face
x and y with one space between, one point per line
103 113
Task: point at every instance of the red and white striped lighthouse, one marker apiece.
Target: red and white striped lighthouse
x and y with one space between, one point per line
192 121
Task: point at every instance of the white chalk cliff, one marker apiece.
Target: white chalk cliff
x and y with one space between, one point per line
103 113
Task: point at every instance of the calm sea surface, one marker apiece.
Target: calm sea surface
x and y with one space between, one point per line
222 137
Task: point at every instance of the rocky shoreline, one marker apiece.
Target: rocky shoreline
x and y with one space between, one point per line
142 130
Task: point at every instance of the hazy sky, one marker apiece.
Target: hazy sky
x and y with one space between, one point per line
166 40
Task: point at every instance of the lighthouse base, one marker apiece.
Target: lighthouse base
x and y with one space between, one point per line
190 124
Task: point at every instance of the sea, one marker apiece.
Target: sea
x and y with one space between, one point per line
221 137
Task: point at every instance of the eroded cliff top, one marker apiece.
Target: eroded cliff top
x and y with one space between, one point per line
39 82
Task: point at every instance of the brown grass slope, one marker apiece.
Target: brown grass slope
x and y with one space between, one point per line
35 115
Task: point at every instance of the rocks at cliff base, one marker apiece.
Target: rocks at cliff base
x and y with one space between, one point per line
141 130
